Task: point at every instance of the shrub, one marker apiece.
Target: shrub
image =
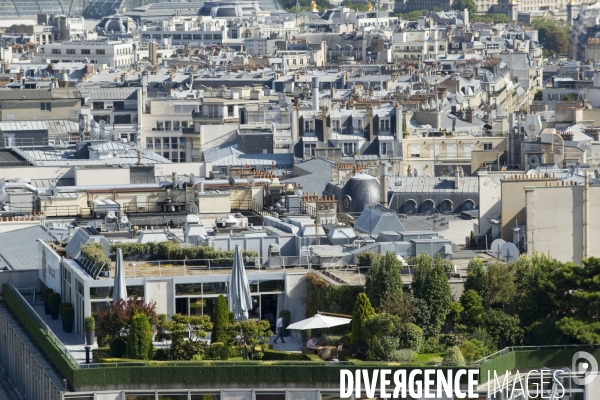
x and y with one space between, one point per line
332 340
473 350
94 252
118 347
46 294
90 324
411 337
432 345
453 357
68 313
161 355
54 300
367 258
62 307
139 341
402 355
220 321
217 351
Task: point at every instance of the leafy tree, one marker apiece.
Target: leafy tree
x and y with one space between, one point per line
455 313
355 6
411 337
383 279
476 279
252 336
401 306
362 312
430 284
194 327
575 291
533 301
382 335
116 319
412 16
470 5
539 95
453 357
424 319
501 284
139 340
553 34
473 350
482 336
494 18
472 304
505 329
220 321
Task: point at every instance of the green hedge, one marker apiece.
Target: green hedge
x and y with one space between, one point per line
173 251
64 366
527 359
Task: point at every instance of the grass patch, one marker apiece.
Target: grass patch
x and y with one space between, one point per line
427 357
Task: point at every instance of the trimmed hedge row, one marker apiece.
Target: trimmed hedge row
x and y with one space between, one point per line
64 366
527 359
197 375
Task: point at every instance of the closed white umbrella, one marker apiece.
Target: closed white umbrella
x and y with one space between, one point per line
119 288
318 322
240 300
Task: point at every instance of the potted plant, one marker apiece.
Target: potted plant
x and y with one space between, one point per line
90 328
287 319
61 308
68 316
54 301
46 296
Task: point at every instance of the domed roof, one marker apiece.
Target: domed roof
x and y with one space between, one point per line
118 23
192 219
360 191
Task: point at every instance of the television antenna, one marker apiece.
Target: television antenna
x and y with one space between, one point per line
495 248
509 253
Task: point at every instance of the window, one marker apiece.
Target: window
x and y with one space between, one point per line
359 125
85 51
174 144
46 106
166 146
167 125
213 111
307 126
157 143
160 125
309 149
349 148
335 124
119 105
487 146
493 88
230 111
384 148
100 51
70 51
176 125
149 143
56 51
122 119
384 125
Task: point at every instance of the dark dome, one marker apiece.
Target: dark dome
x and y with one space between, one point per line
360 191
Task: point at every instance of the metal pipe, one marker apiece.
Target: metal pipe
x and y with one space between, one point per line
220 182
71 189
18 185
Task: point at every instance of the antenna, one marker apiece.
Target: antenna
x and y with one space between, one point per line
509 253
495 248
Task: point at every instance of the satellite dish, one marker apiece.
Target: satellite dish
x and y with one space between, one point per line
533 161
495 248
509 253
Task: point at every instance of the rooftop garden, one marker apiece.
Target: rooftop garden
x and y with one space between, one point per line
535 301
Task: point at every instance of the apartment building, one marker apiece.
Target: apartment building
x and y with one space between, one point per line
423 44
40 104
110 53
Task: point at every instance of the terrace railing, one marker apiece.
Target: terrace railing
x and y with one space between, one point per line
42 325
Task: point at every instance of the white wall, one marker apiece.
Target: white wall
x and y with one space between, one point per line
490 199
158 291
102 176
49 267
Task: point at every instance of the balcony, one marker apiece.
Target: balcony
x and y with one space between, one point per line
214 118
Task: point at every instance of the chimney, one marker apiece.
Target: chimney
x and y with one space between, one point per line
409 170
315 91
383 187
295 121
469 115
139 158
370 119
457 177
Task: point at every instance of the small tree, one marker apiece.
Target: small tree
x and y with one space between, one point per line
383 279
195 328
453 357
472 304
252 336
115 320
476 279
362 311
139 340
220 321
403 307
